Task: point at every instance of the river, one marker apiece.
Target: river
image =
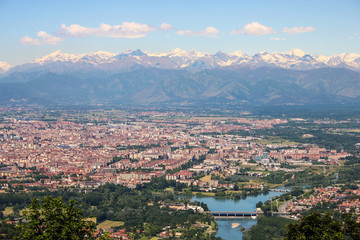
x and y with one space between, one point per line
228 230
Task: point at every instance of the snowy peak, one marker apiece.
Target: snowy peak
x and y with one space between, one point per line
101 54
193 54
137 52
349 60
223 59
296 52
177 52
180 59
95 58
156 54
57 56
4 67
221 54
348 57
196 54
238 53
57 53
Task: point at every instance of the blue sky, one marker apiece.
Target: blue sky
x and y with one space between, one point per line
31 29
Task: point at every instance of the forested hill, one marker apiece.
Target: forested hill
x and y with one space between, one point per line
151 86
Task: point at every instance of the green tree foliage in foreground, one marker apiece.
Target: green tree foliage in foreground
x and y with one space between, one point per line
315 226
55 219
323 227
268 228
143 210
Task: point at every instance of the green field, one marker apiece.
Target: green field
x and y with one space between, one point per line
169 189
210 194
207 178
109 224
8 211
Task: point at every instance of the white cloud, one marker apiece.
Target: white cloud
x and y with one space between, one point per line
125 30
278 39
208 32
166 27
297 30
47 38
254 28
44 39
29 41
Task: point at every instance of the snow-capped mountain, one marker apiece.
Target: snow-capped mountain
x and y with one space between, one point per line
184 77
4 67
180 59
351 60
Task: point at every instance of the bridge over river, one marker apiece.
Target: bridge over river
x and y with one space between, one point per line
280 190
226 214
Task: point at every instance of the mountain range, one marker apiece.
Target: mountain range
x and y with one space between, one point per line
105 62
183 78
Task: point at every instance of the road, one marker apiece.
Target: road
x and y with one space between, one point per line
282 208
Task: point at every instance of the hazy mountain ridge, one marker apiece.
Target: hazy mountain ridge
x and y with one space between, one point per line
181 77
110 63
227 85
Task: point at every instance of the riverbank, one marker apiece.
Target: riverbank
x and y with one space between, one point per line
226 194
229 229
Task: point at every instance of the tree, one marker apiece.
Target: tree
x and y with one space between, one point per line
351 227
296 191
317 227
259 204
55 219
268 228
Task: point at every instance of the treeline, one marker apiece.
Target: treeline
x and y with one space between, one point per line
345 174
306 177
143 212
351 160
349 174
294 132
315 225
337 112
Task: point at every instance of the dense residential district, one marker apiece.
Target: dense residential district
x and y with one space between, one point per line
229 157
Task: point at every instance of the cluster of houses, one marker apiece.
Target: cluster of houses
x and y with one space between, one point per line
344 201
88 155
